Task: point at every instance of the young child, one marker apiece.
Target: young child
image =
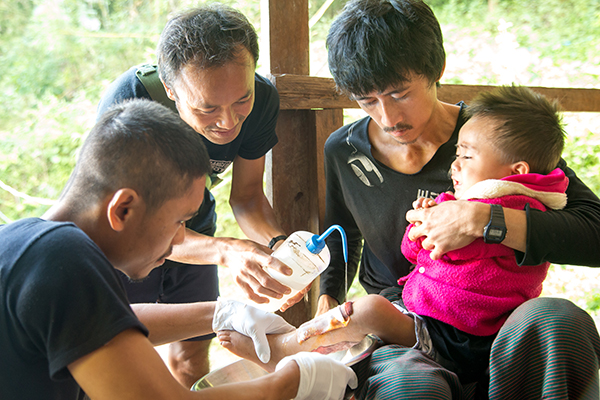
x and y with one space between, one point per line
452 308
506 156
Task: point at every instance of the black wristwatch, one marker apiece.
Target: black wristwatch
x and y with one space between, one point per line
495 230
276 239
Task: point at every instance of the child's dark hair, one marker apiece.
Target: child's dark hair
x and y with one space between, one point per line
528 126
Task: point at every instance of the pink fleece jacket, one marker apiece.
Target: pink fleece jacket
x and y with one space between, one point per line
475 288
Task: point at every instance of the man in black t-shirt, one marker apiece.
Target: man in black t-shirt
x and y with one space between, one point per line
388 55
206 64
65 323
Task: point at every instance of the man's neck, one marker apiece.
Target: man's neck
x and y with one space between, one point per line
87 220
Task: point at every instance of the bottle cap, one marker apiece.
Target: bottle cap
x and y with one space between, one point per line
316 243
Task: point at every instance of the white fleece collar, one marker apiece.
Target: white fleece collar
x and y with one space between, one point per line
493 188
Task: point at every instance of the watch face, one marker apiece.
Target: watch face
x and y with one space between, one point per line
495 232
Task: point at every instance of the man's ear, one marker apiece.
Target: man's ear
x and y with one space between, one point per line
170 93
521 167
442 72
122 207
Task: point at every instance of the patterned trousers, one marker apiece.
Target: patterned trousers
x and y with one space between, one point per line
547 349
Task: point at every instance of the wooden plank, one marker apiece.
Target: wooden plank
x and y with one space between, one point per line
289 37
570 99
326 121
293 194
308 92
291 184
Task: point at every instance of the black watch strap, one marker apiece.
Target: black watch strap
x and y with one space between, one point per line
495 230
276 239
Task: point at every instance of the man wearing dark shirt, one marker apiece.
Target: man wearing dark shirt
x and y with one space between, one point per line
206 64
388 55
66 328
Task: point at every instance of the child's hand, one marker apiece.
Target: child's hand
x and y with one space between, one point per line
423 202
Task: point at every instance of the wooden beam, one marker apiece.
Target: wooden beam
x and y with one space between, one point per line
289 40
294 190
308 92
293 194
570 99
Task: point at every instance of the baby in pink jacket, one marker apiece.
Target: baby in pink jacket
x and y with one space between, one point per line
505 156
475 288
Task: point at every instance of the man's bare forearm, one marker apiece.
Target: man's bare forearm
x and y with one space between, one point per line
201 249
257 220
173 322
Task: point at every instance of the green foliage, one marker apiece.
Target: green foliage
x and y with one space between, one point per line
226 225
38 154
320 28
582 154
593 301
561 29
58 56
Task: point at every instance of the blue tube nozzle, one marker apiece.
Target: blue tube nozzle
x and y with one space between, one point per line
316 243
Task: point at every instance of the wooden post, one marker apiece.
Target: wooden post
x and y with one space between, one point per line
291 167
326 121
288 37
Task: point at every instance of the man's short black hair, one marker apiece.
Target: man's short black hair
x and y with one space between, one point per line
141 145
205 37
376 44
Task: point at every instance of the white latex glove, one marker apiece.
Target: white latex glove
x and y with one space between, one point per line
321 377
250 321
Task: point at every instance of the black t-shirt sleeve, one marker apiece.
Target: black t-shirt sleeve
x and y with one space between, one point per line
125 87
336 212
260 136
70 301
567 236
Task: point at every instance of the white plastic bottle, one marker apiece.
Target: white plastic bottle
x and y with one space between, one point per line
307 255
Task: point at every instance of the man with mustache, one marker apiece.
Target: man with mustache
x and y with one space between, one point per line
388 55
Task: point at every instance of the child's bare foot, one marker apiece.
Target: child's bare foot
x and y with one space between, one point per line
242 346
372 314
281 345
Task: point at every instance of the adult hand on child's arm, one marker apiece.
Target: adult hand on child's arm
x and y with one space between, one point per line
452 225
422 202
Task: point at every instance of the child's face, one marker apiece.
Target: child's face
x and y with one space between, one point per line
476 157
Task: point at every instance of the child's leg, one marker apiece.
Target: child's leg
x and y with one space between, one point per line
370 314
